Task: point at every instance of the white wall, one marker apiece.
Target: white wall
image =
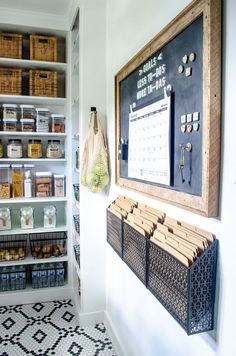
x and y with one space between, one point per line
143 326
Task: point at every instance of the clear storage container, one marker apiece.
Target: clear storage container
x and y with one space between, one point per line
27 125
58 123
54 149
35 149
29 180
10 125
59 185
27 112
43 184
9 111
1 149
42 119
17 177
50 218
5 181
14 148
27 217
5 218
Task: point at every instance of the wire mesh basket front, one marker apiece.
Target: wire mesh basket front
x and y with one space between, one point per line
47 245
13 247
77 223
135 251
48 275
76 191
115 232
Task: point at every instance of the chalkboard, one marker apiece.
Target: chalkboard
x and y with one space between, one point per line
175 65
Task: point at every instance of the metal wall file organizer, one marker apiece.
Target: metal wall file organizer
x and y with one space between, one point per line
187 293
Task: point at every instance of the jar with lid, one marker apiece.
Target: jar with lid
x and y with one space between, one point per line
1 149
43 184
59 185
9 111
10 124
5 218
50 216
35 149
58 123
42 119
17 180
14 148
27 125
54 149
27 217
5 181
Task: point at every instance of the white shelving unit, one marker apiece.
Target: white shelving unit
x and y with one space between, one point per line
59 105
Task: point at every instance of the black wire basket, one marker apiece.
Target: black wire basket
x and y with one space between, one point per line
48 275
76 191
115 232
13 247
77 223
47 245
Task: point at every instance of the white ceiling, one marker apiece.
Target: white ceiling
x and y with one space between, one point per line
56 7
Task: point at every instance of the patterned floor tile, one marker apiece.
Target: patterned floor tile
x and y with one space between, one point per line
48 329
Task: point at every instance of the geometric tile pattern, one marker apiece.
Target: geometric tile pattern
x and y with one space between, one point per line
50 329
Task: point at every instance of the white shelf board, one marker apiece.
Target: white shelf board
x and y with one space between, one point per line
32 200
34 100
26 134
33 231
32 261
33 160
32 64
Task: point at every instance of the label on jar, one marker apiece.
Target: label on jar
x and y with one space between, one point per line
34 150
14 150
54 151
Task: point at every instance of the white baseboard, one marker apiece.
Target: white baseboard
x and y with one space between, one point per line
86 319
113 336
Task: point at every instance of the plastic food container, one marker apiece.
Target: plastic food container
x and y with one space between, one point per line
1 149
29 180
9 111
35 149
43 184
27 111
14 148
10 124
17 176
27 125
42 119
5 185
54 149
59 185
58 123
5 218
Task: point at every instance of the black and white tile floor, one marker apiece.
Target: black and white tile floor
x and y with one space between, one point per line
49 329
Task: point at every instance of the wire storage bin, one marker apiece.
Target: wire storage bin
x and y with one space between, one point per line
77 223
115 232
13 247
12 278
76 191
188 293
135 251
43 48
11 45
47 245
10 81
77 253
43 83
46 275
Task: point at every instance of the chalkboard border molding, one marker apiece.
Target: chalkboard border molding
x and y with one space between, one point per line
208 203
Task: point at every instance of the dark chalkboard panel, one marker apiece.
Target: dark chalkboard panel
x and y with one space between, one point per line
178 63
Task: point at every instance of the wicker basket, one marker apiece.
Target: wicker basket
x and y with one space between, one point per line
43 83
43 48
10 81
11 45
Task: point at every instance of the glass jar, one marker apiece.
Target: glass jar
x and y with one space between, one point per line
27 217
14 148
35 149
5 219
50 216
43 184
1 149
42 119
27 112
10 125
5 182
54 149
9 111
27 125
58 123
17 177
59 185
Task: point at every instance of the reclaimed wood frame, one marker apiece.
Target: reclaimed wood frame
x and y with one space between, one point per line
207 203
